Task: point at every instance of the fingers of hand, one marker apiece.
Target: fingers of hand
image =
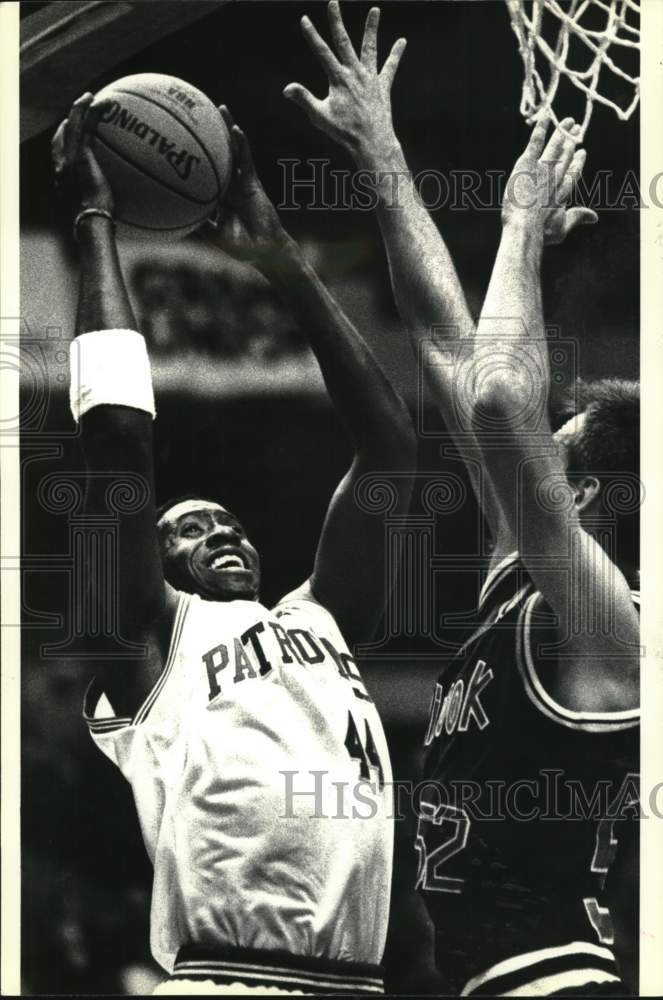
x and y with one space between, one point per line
80 108
57 148
237 138
388 71
564 172
227 117
369 45
74 133
572 176
556 159
344 47
569 149
243 154
320 48
558 141
303 98
71 136
537 139
580 217
94 113
229 122
587 216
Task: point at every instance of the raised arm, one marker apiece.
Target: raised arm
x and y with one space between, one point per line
116 425
357 114
598 661
349 574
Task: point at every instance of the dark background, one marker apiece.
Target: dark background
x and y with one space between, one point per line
274 457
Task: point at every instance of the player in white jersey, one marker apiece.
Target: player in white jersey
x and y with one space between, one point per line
256 756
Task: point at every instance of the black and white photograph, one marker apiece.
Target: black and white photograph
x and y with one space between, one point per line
325 488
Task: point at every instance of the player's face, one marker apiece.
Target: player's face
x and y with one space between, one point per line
205 551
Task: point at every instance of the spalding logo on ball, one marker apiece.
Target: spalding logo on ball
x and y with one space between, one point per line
165 150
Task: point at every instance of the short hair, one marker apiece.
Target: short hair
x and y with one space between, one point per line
607 445
609 441
173 502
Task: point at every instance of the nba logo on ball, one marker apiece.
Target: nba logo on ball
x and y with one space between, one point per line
165 150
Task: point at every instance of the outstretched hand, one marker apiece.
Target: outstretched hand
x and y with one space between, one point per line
79 179
248 226
542 182
357 110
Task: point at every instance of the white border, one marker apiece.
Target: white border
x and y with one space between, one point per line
651 906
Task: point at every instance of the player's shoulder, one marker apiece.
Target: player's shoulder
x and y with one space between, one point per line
539 654
300 600
301 608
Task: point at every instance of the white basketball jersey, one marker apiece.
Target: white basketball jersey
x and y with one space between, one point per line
262 782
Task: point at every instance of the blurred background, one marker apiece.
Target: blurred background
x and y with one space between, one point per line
242 413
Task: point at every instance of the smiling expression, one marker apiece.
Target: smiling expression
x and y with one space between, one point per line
205 551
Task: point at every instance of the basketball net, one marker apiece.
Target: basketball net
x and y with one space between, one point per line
610 30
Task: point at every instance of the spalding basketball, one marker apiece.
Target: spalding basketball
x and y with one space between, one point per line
165 150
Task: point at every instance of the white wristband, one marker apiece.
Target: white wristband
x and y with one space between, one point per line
110 367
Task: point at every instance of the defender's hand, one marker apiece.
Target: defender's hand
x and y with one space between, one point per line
538 192
78 176
357 109
248 226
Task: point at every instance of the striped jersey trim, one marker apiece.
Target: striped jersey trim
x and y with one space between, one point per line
109 724
113 723
546 971
496 618
183 605
318 975
100 726
496 576
593 722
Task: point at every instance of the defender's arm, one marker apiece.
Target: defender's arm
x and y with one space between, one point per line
598 665
428 294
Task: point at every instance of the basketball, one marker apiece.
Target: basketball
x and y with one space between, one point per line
165 150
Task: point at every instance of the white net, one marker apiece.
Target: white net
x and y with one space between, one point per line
600 36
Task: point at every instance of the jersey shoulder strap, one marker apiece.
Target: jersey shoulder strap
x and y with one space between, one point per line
98 711
528 659
496 578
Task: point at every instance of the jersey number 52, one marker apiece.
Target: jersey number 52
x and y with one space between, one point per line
442 832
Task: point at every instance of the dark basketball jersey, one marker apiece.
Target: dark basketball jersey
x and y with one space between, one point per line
520 812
